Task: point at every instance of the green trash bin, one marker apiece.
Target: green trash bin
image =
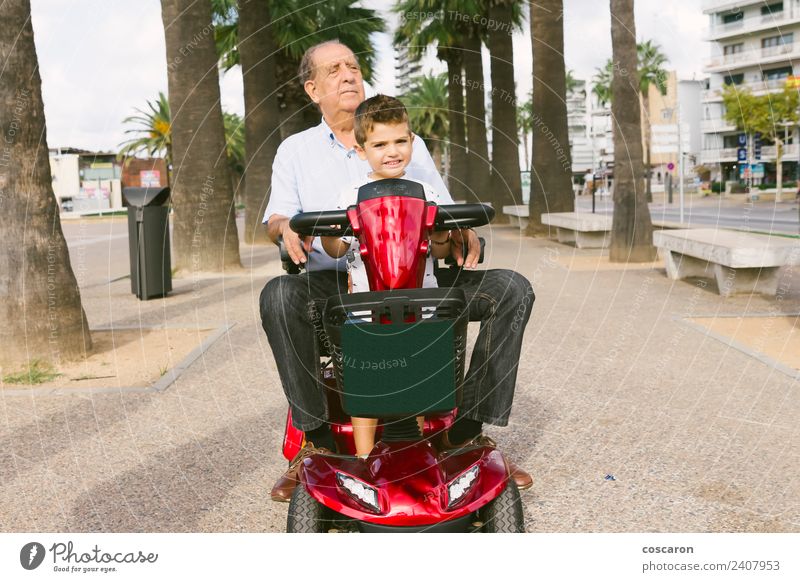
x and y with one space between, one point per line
148 241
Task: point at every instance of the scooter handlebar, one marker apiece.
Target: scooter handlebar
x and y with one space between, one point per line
458 216
336 223
326 223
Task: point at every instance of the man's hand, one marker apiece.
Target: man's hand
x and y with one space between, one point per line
295 246
460 239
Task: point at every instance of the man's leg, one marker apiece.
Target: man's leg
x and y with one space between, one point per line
286 311
502 301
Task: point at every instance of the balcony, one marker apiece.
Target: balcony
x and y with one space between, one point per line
715 156
718 125
713 6
757 87
749 25
762 56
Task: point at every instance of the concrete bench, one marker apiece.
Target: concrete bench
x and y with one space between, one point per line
740 262
586 230
517 215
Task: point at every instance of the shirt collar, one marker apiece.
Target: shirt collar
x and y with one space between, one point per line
331 138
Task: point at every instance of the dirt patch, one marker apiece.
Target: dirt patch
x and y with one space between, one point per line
126 358
777 338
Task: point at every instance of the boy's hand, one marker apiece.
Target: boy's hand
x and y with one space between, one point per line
295 246
465 238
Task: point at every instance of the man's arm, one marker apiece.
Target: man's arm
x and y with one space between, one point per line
284 202
427 172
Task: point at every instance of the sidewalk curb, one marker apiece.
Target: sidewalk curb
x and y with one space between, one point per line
162 384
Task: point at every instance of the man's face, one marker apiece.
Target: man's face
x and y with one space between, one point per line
337 84
388 149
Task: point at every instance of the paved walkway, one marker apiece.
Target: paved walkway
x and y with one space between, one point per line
629 419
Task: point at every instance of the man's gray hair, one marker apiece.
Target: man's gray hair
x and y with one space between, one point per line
306 70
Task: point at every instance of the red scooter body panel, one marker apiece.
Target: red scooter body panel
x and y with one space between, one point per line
411 480
393 234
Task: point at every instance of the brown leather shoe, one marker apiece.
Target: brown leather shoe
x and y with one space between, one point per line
521 477
286 483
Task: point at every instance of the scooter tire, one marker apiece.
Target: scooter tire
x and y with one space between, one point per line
504 514
306 514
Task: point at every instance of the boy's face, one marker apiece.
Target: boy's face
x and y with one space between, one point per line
388 149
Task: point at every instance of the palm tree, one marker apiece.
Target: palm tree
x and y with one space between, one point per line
525 125
506 180
234 147
205 236
434 24
40 304
152 136
570 80
427 111
479 168
257 52
152 131
551 175
651 72
296 26
601 83
651 63
632 230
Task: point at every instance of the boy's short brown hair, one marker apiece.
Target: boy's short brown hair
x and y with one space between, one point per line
378 109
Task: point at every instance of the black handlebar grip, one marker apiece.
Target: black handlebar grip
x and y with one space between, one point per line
321 223
458 216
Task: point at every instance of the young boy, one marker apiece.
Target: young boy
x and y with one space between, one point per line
384 140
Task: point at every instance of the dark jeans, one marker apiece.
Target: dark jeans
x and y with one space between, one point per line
500 299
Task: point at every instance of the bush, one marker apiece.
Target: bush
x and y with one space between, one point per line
771 185
717 187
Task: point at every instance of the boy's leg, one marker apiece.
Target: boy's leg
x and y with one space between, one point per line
364 434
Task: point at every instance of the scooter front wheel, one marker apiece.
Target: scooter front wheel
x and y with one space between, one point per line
504 514
306 514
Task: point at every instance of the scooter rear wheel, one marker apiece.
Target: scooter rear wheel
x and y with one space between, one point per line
306 514
504 514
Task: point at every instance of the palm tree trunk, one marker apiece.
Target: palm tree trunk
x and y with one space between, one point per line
478 168
205 236
648 166
778 169
506 180
297 112
261 117
632 230
40 302
457 183
551 178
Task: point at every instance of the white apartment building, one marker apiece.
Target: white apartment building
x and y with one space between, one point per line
578 129
755 44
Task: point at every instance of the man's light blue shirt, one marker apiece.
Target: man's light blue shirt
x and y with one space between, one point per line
311 170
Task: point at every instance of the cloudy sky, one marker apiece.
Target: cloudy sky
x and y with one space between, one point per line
100 59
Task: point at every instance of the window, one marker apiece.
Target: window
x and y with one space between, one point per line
734 79
776 74
730 141
782 39
733 48
732 17
772 8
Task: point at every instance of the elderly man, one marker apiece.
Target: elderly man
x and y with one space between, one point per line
310 170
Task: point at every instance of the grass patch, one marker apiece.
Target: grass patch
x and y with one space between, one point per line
37 372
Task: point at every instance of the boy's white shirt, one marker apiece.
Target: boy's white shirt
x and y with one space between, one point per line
355 266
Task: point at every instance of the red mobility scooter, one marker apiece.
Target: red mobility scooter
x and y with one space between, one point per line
395 353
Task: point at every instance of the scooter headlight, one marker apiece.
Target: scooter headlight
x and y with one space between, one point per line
359 490
460 485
